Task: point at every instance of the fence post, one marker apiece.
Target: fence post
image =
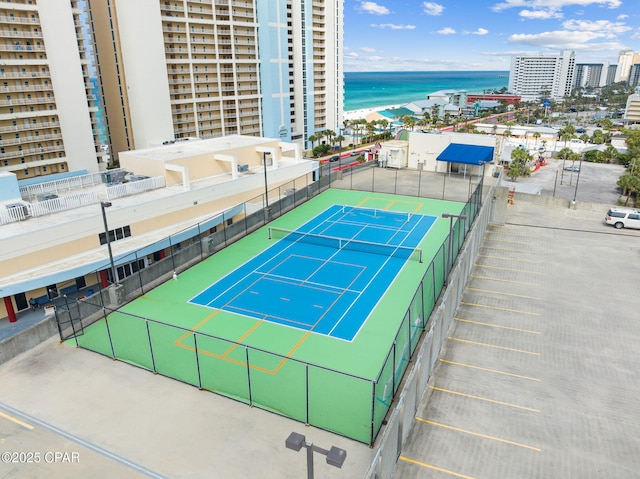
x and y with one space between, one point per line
373 410
195 345
307 392
246 350
153 359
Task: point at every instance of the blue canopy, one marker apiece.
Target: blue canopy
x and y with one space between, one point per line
467 154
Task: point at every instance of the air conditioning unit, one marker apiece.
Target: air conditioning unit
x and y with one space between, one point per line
243 168
19 207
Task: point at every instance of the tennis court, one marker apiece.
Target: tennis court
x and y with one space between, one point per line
326 276
313 317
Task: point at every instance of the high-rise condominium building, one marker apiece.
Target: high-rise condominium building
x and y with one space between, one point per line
634 75
626 59
208 68
49 110
542 76
591 75
82 77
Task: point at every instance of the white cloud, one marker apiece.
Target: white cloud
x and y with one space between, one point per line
603 26
566 40
393 26
636 35
373 8
446 31
553 4
368 50
622 17
480 31
544 14
431 8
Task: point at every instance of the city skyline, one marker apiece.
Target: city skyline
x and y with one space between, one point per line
415 35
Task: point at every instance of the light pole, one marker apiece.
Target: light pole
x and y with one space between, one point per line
266 185
114 273
450 253
575 192
335 455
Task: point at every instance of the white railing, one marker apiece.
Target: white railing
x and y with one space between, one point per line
31 192
135 187
63 203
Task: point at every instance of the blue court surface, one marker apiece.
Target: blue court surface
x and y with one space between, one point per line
327 276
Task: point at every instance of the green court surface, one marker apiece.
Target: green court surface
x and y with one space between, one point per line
342 386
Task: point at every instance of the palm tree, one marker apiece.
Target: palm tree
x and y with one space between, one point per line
312 139
564 154
371 129
408 121
536 135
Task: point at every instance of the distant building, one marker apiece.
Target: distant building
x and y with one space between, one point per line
611 74
626 59
535 77
634 75
591 75
632 113
508 98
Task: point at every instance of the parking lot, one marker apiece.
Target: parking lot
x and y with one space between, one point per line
538 377
596 182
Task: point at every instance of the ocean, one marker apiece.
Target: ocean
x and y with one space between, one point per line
374 89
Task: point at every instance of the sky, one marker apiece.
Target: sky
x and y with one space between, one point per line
414 35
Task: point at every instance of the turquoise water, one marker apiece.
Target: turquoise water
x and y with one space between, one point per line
373 89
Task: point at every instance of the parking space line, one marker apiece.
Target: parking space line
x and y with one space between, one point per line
502 293
495 346
17 421
508 259
507 269
435 468
477 434
514 242
500 309
521 251
520 330
512 234
504 280
494 401
495 371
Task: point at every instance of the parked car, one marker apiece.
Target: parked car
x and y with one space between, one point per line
623 218
581 130
335 158
572 168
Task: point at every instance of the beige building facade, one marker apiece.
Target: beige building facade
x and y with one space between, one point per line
48 110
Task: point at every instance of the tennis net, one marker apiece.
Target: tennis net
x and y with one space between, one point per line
335 242
377 213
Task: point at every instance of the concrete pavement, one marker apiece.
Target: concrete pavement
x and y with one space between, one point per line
538 377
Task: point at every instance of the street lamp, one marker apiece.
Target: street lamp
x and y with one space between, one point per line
335 455
575 192
450 253
114 273
266 187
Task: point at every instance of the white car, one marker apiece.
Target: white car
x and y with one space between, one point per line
623 218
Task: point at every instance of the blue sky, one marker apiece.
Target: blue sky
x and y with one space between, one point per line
413 35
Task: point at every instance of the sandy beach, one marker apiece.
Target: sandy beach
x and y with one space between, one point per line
361 114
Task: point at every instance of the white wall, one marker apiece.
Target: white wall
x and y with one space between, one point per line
59 34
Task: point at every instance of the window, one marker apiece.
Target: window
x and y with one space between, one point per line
115 234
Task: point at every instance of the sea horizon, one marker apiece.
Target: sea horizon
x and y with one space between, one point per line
365 90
